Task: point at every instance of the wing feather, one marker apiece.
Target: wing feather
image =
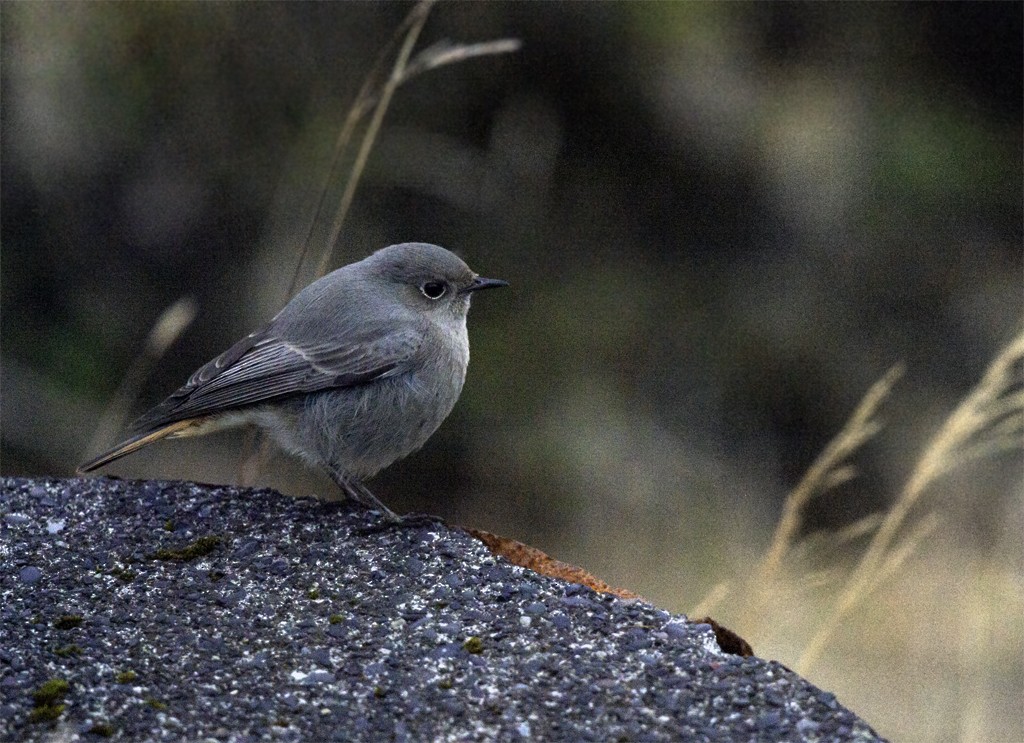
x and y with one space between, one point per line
263 367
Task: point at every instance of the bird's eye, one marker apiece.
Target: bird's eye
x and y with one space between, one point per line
434 289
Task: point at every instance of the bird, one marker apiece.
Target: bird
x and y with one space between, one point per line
355 372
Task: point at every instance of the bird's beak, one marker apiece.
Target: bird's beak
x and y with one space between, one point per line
481 283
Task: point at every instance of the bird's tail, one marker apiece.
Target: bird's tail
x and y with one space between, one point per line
135 443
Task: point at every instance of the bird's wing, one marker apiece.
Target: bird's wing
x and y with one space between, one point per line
264 367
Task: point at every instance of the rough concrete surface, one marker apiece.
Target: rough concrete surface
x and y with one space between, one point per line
176 611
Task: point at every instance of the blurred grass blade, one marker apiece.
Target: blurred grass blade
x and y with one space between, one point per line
418 18
976 426
364 101
827 471
713 598
404 69
168 327
369 97
444 53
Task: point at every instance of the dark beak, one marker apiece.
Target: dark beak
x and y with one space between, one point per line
481 283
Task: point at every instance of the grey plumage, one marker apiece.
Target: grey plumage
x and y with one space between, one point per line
357 370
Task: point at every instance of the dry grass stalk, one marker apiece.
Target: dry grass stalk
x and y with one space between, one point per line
355 113
445 52
989 420
404 69
712 599
417 19
819 541
256 451
828 471
438 55
171 323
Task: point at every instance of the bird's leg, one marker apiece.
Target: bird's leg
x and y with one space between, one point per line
361 494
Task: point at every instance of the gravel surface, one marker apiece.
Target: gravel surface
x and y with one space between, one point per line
141 610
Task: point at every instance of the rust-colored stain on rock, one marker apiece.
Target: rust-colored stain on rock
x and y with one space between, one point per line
540 562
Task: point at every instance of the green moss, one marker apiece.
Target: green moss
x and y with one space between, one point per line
123 574
335 619
156 704
68 651
51 692
445 683
380 692
169 525
313 593
191 551
47 701
67 621
104 729
126 677
46 712
474 645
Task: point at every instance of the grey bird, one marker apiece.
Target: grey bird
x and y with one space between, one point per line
356 372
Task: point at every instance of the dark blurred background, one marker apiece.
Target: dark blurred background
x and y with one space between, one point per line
722 223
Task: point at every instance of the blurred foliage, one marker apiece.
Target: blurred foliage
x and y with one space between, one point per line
722 223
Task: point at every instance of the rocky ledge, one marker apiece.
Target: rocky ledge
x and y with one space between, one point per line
177 611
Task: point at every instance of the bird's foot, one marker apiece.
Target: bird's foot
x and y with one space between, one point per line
354 489
391 521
